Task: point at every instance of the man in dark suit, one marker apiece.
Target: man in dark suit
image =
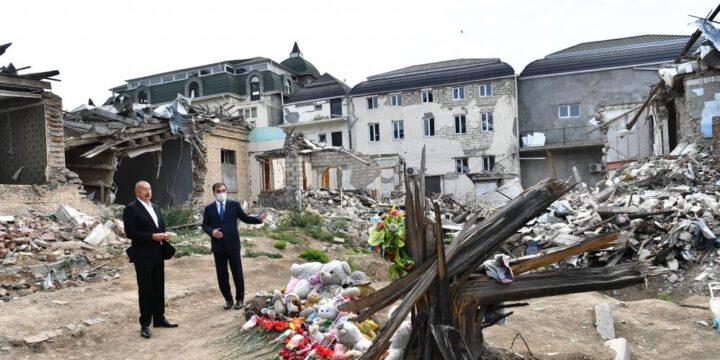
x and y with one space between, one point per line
220 222
145 227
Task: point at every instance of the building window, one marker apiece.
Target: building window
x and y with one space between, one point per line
460 125
461 166
486 122
322 138
372 102
485 90
142 97
426 96
398 130
569 111
288 86
254 88
318 107
336 138
227 156
429 126
458 93
249 113
193 89
374 132
396 100
488 163
336 107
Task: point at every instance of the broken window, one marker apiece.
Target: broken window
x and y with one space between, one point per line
23 144
429 126
426 96
288 86
485 89
227 156
194 89
142 97
322 138
398 130
254 88
460 125
318 107
336 107
273 174
569 111
336 138
396 100
488 163
486 122
461 165
458 93
374 132
372 102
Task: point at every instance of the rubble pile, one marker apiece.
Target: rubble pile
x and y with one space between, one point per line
50 251
667 209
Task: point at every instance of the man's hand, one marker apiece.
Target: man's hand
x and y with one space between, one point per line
217 234
263 216
163 236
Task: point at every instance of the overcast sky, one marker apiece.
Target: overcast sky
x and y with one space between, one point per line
99 44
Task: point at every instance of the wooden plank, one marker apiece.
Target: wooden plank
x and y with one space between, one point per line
451 343
551 283
22 82
112 116
443 286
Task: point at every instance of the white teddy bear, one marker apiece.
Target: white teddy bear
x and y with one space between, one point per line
350 336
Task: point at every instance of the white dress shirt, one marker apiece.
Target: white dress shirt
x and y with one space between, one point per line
148 206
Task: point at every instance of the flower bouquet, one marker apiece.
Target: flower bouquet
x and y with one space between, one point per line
388 238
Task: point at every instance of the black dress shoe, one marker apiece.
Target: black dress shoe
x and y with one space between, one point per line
145 331
239 305
228 305
165 323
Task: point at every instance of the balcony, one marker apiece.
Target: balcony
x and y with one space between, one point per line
560 138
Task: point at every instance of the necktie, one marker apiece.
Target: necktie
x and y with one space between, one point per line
222 211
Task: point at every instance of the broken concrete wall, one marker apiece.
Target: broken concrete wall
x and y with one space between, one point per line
168 171
381 174
21 199
222 139
23 145
622 146
702 98
536 165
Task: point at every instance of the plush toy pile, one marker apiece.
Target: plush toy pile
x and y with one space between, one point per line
304 314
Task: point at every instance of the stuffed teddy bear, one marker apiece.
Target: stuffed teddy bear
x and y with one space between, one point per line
300 280
292 302
350 336
399 341
278 302
333 274
327 313
368 328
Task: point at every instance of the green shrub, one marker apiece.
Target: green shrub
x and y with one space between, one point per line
286 236
314 255
280 244
301 219
181 251
248 244
253 254
175 216
664 295
317 232
250 232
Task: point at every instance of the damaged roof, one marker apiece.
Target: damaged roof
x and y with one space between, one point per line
607 54
327 86
14 84
434 74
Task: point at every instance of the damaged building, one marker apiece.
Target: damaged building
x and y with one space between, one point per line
574 106
179 148
464 111
33 175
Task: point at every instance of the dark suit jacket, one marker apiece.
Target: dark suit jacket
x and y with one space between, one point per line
228 225
139 227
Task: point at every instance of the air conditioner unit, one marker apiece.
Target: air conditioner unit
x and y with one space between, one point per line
412 170
595 168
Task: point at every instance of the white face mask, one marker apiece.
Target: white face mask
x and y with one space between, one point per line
221 197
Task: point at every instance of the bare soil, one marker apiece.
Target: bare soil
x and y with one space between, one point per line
554 328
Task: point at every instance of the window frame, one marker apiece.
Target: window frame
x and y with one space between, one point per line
426 96
488 90
372 102
228 156
463 164
485 119
429 127
569 111
254 97
374 129
463 121
322 138
459 94
487 166
396 100
398 127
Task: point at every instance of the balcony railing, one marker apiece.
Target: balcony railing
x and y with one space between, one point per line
561 136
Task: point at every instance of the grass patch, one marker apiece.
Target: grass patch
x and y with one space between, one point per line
253 254
353 265
280 244
175 216
186 235
248 244
318 233
664 295
362 250
253 232
286 236
314 255
181 251
301 219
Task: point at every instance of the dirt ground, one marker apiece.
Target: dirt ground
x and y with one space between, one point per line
554 328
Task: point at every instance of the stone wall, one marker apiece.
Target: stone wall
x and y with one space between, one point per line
223 137
21 199
280 199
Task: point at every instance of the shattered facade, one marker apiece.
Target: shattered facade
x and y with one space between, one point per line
463 111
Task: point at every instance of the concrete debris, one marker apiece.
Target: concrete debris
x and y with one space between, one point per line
621 348
604 321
